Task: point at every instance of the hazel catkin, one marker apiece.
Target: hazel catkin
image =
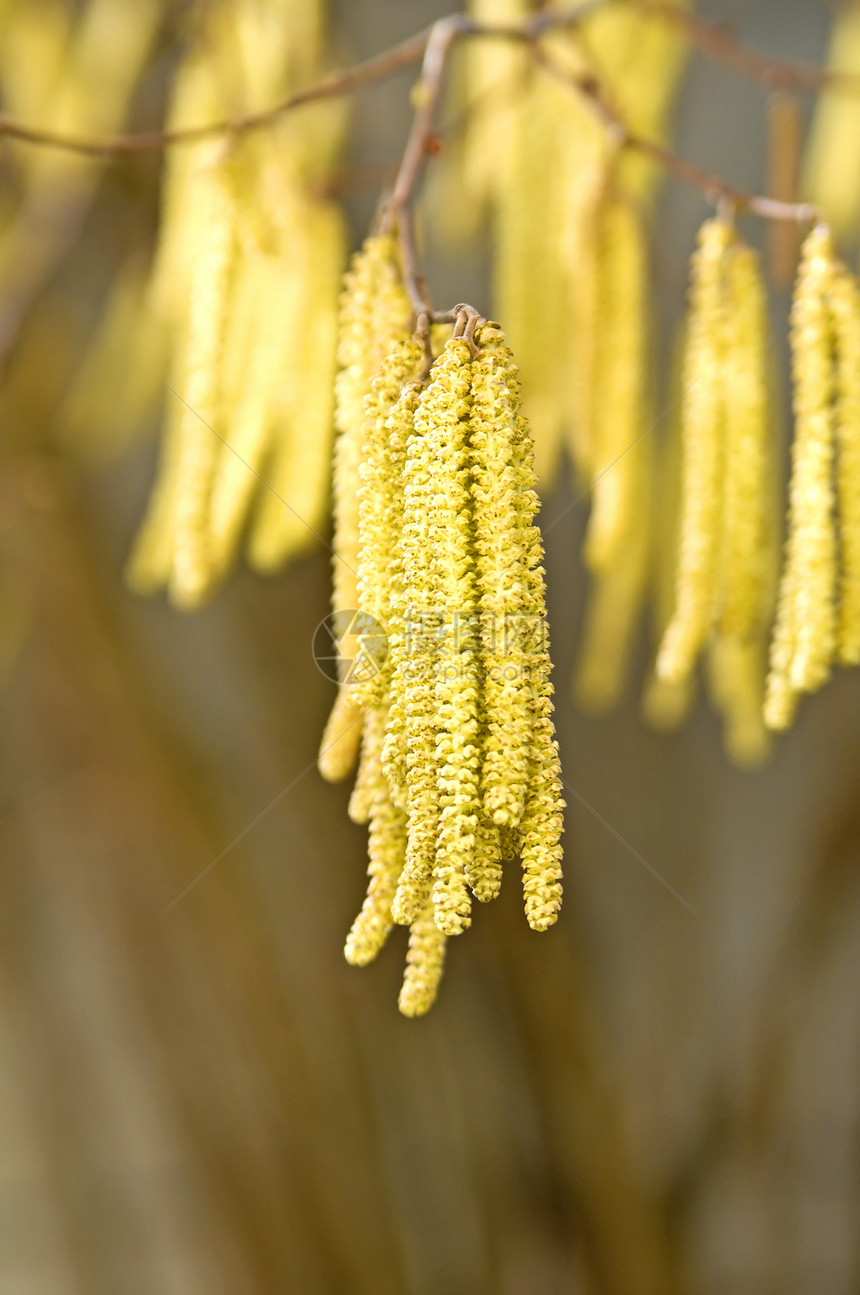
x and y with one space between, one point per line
459 765
702 426
804 638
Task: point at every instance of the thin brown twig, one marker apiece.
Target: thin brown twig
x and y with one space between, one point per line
717 42
712 186
398 209
378 68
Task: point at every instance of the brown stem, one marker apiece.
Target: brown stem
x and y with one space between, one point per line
398 208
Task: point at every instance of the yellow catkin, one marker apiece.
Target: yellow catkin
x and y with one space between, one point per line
289 516
532 288
492 75
110 400
831 176
93 60
804 637
743 551
616 597
194 99
640 56
386 849
265 287
35 40
198 445
541 213
369 760
443 419
148 566
812 495
747 555
256 362
425 960
618 381
736 675
449 549
185 202
500 559
542 824
589 321
416 667
379 508
702 432
374 312
812 533
341 737
400 427
781 697
484 868
665 705
845 300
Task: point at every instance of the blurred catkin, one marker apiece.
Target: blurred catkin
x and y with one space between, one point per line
804 640
244 286
831 177
540 213
702 438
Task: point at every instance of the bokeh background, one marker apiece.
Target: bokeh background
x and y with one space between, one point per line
202 1096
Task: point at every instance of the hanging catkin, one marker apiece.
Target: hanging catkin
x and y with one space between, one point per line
702 429
617 399
743 529
804 637
196 408
459 764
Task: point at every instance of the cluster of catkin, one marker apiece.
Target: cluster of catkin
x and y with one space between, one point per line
245 286
459 766
818 610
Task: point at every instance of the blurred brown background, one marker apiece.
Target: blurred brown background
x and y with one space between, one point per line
207 1099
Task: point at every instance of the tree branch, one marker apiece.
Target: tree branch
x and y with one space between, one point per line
715 41
712 186
718 43
373 69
